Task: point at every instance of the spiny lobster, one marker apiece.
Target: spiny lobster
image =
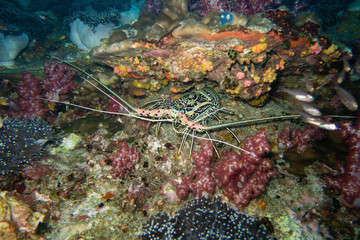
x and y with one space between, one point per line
189 114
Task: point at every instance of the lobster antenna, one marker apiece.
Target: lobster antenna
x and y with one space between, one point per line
221 125
86 108
131 115
212 127
106 94
220 141
129 105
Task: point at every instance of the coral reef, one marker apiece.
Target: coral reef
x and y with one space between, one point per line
30 91
251 7
112 171
347 176
124 160
205 219
300 138
244 177
15 214
185 49
200 182
59 80
21 141
10 46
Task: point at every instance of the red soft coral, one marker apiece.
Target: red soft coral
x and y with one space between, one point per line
200 181
124 160
243 177
347 179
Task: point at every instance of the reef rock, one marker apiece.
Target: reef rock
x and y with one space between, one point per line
244 57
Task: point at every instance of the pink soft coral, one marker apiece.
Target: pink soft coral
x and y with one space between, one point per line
243 177
124 160
200 181
32 90
347 179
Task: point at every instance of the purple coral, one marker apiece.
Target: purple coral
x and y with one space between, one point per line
243 177
347 179
32 90
59 80
300 138
29 104
124 160
200 181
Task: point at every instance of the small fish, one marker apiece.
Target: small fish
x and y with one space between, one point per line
298 94
347 98
341 76
347 67
313 111
42 17
137 92
318 122
105 40
4 101
309 84
1 122
323 124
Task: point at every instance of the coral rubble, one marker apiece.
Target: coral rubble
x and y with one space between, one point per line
205 219
15 214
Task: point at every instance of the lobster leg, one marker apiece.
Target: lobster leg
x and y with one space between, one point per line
209 136
183 140
228 129
192 144
157 130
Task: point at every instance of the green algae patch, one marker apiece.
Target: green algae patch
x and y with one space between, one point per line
68 143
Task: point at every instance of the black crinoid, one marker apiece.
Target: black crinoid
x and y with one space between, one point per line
21 142
205 219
